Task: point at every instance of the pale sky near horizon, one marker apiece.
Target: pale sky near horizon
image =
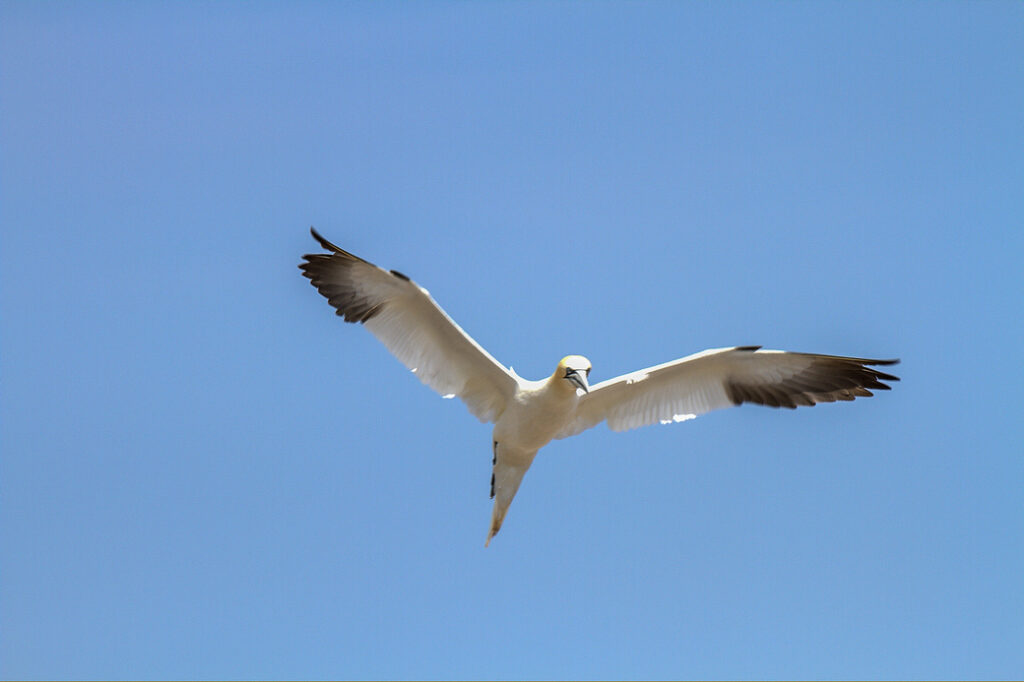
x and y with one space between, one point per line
205 474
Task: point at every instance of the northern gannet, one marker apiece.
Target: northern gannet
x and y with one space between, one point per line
529 414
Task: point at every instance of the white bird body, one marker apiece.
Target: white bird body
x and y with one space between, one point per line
537 413
527 415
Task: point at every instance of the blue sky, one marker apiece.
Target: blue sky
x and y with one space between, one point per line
205 473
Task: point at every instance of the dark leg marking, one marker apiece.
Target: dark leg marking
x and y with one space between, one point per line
494 461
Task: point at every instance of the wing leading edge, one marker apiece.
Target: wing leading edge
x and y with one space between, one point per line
725 377
404 317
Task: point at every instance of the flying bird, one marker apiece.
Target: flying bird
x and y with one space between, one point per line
529 414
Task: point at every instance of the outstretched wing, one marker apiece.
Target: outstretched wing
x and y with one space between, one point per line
724 377
403 316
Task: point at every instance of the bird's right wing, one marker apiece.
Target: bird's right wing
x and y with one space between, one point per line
724 377
403 316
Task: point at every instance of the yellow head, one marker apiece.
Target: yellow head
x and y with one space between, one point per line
574 369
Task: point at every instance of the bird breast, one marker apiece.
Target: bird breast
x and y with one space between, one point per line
535 416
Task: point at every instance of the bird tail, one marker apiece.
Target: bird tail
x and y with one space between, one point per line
509 469
497 517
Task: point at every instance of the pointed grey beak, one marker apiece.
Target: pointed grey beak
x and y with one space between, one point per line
579 379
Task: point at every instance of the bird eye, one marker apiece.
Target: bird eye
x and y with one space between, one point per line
569 371
588 371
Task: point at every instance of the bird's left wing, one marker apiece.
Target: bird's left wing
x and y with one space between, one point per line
725 377
403 316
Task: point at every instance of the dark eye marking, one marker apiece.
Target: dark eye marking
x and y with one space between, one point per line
588 371
569 371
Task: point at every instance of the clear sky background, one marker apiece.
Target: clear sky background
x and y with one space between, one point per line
205 473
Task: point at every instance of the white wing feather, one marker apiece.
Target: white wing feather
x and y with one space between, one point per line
404 317
724 377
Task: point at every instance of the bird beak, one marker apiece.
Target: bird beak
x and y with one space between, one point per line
580 380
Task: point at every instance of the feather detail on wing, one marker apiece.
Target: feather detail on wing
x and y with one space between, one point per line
724 377
403 316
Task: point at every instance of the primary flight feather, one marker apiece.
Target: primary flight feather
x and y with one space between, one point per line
529 414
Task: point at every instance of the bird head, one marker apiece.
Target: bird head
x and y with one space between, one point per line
574 369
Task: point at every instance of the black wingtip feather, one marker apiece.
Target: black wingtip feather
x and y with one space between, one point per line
330 274
323 242
832 378
334 248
